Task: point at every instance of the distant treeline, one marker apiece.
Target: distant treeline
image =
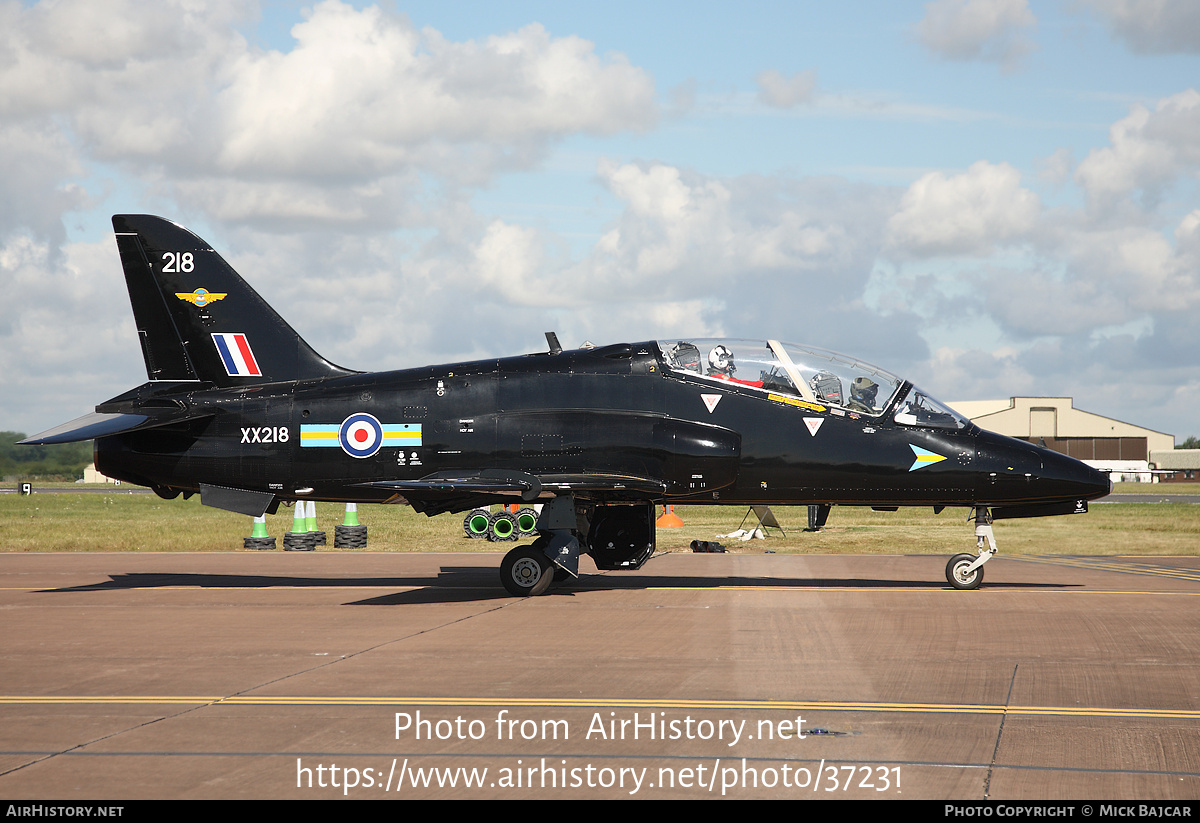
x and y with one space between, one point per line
1191 443
65 461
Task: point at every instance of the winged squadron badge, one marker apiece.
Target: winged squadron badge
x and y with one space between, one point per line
201 297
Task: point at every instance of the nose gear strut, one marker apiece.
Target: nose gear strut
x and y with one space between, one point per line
965 571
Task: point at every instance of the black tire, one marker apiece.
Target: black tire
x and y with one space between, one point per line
503 528
349 537
527 519
476 523
299 541
259 543
526 572
955 576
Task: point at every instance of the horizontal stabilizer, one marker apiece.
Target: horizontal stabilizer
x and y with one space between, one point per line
98 424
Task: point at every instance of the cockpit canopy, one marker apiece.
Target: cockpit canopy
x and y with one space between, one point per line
811 374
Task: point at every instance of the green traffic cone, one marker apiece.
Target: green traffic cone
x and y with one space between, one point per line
260 527
298 522
351 515
317 534
259 539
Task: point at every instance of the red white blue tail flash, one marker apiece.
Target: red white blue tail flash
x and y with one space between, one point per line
236 355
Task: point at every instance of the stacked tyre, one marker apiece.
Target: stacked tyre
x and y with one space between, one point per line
300 541
476 524
260 543
502 527
527 522
349 537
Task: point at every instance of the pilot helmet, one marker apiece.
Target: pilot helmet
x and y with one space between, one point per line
720 360
863 389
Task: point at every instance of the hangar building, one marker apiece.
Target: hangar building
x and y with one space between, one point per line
1184 464
1056 423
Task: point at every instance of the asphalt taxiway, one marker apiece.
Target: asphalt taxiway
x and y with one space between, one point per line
273 675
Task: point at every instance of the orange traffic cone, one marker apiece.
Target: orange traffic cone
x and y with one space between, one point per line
668 519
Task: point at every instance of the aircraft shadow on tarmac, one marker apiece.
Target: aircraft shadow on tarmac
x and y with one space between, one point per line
456 584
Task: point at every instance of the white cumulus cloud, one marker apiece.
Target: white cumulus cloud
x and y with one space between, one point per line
967 213
992 30
363 93
1153 26
1147 149
344 124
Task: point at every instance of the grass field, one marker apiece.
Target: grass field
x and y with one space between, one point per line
119 521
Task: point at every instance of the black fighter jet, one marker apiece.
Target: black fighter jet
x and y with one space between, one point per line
240 409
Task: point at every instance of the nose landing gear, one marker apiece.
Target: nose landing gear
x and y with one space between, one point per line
965 571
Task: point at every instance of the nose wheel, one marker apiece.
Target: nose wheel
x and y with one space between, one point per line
965 571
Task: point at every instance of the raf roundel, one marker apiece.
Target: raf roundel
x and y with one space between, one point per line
360 435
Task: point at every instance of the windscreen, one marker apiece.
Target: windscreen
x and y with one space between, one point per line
812 374
920 409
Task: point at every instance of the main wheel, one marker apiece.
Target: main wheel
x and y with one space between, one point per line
957 574
526 572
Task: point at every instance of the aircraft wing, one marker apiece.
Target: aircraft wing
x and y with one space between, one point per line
101 424
458 491
563 483
484 481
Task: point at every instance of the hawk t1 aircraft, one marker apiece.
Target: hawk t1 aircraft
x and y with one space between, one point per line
240 409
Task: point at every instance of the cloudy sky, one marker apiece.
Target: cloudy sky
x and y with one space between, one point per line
990 197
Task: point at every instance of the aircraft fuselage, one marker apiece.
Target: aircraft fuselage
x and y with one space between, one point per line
616 411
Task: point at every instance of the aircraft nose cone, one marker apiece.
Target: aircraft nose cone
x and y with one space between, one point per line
1074 478
1020 472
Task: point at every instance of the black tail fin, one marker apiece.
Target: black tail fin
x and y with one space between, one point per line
197 318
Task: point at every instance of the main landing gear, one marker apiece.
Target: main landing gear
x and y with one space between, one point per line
526 571
965 571
616 535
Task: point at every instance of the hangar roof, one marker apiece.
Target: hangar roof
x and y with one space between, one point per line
1052 417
